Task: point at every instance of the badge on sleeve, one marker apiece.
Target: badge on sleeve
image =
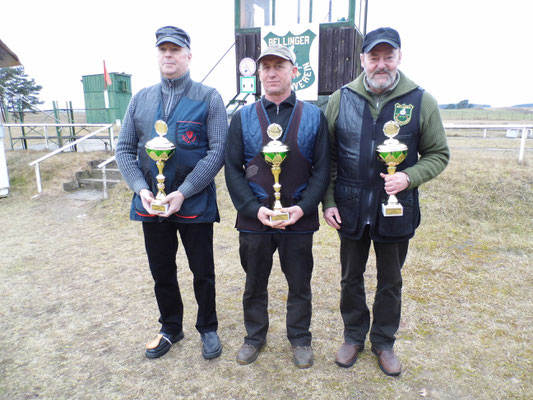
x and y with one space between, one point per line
402 113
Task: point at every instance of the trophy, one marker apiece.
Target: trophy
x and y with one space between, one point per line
160 150
392 152
274 153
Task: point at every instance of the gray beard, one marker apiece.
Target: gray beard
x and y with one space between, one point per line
379 86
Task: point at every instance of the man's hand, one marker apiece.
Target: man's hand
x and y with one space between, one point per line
395 183
295 213
175 201
147 197
332 217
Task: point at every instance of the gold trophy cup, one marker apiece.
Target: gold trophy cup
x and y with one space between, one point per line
160 150
392 152
275 153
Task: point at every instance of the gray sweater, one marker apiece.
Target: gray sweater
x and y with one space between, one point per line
217 127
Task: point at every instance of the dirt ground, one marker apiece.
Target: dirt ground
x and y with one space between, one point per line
77 304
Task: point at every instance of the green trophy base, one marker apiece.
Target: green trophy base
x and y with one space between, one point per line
392 210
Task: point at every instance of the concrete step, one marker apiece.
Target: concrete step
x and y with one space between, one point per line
96 183
92 177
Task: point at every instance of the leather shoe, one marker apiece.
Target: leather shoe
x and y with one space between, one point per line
247 354
211 347
388 362
162 344
303 356
347 354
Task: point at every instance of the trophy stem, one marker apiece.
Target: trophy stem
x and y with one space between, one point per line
276 170
160 181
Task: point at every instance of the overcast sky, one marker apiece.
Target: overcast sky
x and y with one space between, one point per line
455 49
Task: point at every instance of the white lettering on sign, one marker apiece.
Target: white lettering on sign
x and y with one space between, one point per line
289 41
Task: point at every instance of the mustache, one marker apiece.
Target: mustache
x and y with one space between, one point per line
382 71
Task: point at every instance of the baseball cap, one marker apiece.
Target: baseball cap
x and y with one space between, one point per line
381 35
278 51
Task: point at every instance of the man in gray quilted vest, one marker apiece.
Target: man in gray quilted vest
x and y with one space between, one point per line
197 126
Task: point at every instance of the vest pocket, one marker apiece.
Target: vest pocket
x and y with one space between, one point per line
347 200
188 134
195 205
397 227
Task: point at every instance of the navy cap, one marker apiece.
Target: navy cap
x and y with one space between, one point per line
173 35
381 35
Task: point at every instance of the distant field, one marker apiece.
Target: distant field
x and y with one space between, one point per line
508 114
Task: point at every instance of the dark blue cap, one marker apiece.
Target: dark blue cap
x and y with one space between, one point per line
381 35
173 35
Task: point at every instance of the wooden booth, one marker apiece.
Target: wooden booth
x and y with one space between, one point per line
341 26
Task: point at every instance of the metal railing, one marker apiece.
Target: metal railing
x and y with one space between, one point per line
103 166
61 149
58 126
485 127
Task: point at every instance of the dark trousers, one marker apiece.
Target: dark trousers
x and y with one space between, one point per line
296 259
386 311
161 242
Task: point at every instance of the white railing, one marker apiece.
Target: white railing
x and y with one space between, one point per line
525 128
102 166
53 153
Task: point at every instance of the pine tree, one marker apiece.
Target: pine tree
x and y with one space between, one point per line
17 91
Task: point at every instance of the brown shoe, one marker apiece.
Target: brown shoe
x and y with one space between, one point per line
388 362
347 354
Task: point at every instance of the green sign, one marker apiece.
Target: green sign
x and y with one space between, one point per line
301 46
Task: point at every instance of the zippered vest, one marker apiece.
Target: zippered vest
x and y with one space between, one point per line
188 132
359 189
300 136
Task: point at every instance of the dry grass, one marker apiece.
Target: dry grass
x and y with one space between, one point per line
77 304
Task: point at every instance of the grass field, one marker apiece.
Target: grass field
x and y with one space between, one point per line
77 302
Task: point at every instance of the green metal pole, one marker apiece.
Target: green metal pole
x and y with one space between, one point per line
351 12
21 117
58 129
70 117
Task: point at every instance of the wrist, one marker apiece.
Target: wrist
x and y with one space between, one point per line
408 179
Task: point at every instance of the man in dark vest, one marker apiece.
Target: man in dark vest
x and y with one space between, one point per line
197 126
304 179
357 114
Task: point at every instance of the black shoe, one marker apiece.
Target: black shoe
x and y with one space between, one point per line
303 356
211 347
162 344
247 354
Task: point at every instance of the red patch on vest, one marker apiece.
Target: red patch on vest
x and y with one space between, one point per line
190 138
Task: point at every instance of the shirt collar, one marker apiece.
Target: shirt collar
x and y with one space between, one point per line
290 101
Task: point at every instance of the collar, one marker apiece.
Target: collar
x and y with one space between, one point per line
175 84
289 101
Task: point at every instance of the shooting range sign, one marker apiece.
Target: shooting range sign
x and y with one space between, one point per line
304 44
